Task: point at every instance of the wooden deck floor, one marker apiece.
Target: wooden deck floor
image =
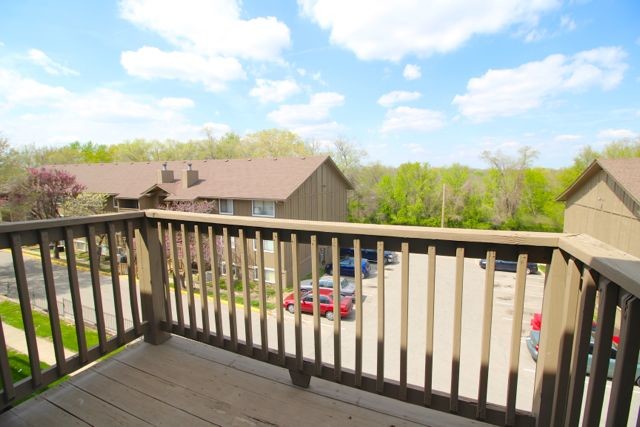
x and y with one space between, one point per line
187 383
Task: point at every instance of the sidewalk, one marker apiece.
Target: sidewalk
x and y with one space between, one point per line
15 339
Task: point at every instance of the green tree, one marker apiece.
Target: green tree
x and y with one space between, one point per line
85 204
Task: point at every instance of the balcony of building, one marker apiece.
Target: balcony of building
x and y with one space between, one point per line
433 339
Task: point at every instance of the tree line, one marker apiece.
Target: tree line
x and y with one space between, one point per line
509 194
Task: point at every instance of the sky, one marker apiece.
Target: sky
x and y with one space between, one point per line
409 80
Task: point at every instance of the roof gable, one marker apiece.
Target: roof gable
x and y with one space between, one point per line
626 172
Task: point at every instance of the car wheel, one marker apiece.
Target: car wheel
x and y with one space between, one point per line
638 381
329 271
329 315
291 309
528 271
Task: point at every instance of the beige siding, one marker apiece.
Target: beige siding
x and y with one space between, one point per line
602 209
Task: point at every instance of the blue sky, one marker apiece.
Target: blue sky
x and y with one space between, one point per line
435 82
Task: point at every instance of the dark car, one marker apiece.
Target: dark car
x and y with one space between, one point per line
501 265
371 255
533 342
326 304
347 287
347 267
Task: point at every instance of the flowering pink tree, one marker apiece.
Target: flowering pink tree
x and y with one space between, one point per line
43 191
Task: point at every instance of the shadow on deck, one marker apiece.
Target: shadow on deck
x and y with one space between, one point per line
183 382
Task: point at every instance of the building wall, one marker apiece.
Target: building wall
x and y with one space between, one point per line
602 209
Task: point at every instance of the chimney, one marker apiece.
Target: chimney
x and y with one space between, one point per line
164 175
189 177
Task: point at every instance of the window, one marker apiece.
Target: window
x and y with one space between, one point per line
269 274
267 245
324 299
128 203
225 206
263 208
115 202
308 298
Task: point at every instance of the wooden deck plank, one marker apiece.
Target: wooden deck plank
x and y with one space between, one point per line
89 408
183 382
123 395
37 413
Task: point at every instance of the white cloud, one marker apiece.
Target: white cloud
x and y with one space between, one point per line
615 134
412 72
567 137
212 72
392 30
311 119
17 90
2 44
567 23
176 103
412 119
210 28
415 148
398 96
301 71
508 92
216 129
41 59
101 115
274 90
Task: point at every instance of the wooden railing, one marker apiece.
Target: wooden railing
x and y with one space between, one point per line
580 274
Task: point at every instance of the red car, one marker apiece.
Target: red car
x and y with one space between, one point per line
326 303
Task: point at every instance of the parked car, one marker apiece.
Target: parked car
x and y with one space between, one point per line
371 255
347 267
347 287
501 265
326 303
533 341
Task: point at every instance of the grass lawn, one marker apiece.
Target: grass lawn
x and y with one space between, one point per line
11 315
19 364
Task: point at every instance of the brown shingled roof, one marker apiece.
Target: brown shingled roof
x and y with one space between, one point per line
626 172
266 178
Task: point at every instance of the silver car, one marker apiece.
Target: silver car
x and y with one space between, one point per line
347 287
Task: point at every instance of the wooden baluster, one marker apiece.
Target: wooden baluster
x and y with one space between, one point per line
52 302
457 331
177 281
624 374
231 292
215 277
8 389
404 320
357 268
279 297
296 297
430 307
162 236
581 345
94 264
516 338
115 281
601 354
262 296
186 260
317 339
74 288
246 293
131 271
571 291
204 292
485 350
381 297
337 340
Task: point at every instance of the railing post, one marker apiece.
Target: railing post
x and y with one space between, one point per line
550 334
150 266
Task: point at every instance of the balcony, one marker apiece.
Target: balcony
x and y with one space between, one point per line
433 339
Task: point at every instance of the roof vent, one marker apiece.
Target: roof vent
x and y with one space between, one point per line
189 166
164 166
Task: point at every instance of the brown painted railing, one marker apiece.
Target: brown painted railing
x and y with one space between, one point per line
580 271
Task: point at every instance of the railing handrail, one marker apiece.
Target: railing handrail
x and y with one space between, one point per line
618 266
42 224
504 237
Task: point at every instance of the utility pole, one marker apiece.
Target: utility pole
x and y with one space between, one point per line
444 188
